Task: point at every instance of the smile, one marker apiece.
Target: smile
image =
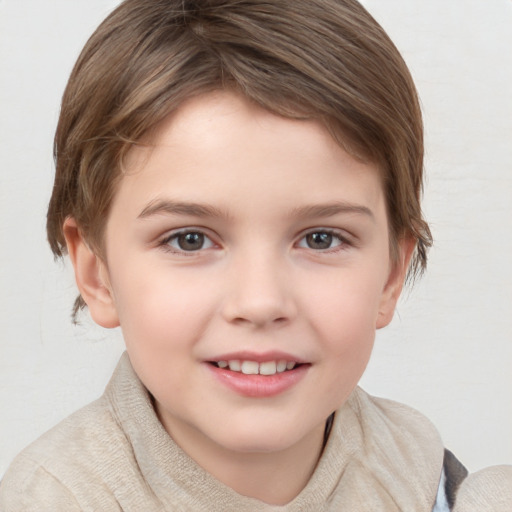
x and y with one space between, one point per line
264 378
255 368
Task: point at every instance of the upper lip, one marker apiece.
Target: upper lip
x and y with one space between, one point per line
258 357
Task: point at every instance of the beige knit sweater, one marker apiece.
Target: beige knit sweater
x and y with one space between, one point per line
114 455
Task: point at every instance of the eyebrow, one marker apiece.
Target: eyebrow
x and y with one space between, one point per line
331 209
168 207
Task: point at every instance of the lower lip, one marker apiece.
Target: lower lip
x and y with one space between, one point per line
259 386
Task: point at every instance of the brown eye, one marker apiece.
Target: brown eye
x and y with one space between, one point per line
319 240
188 241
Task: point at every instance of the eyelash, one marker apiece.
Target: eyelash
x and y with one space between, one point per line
165 243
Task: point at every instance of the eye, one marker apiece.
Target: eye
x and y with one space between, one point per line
187 241
321 240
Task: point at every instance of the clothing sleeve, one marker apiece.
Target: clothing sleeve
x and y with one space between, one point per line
488 490
28 487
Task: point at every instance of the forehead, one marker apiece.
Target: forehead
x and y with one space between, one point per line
222 114
222 144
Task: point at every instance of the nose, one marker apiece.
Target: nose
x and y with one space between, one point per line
259 293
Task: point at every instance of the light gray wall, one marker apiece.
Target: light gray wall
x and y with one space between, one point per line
449 350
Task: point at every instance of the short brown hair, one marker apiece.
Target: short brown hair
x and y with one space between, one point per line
318 59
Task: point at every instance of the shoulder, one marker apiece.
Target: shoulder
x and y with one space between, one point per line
413 452
87 431
51 469
398 449
408 427
487 490
89 461
29 487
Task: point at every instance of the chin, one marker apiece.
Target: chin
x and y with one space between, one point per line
261 439
256 446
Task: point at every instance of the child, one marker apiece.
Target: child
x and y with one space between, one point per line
238 187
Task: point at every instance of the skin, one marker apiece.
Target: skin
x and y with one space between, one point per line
257 284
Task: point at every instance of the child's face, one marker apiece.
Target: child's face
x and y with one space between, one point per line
243 236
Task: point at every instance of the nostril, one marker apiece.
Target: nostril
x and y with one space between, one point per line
240 320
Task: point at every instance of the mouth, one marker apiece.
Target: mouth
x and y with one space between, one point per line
258 375
266 368
258 379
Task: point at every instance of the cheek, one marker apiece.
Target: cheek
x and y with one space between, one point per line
347 304
160 308
346 327
160 325
343 315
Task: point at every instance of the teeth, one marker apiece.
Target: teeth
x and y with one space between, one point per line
254 368
269 368
234 366
250 367
281 366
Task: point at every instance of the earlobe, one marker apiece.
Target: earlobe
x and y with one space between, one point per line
395 282
91 277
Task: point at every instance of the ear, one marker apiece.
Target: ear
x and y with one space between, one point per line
91 277
395 282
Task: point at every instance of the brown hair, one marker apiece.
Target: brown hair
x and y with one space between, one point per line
322 59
